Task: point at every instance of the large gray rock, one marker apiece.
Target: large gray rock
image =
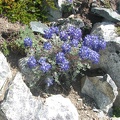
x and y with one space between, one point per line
110 57
57 107
20 104
5 75
102 89
108 14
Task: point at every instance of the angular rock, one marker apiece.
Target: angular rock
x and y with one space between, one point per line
20 104
30 78
72 20
57 107
5 75
102 89
108 14
110 57
38 27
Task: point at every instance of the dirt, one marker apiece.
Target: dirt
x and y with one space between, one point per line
84 104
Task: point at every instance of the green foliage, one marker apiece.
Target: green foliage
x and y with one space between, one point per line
25 11
116 112
4 48
19 44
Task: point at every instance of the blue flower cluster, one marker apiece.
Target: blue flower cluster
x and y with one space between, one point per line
93 42
32 62
72 37
27 42
42 60
52 30
62 61
47 46
66 48
45 67
88 54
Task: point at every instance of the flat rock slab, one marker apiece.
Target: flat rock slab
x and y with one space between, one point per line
108 14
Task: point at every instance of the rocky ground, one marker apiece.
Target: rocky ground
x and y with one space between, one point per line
86 106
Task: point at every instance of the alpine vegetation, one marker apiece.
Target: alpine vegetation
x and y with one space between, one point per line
65 54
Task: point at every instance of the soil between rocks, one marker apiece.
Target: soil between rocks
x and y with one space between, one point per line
85 105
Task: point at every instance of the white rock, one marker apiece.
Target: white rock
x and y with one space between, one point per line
20 104
5 75
57 107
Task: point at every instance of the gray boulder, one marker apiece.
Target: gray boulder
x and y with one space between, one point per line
108 14
5 75
55 14
110 57
57 107
20 104
102 89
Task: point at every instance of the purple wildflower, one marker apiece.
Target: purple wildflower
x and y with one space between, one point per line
86 53
60 56
54 30
63 35
77 34
45 67
48 34
42 60
66 47
94 42
47 46
64 65
74 42
71 30
32 62
27 42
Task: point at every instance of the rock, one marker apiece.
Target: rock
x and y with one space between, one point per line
5 75
38 27
55 14
72 20
108 14
57 107
118 6
64 2
20 104
114 118
110 57
25 70
102 89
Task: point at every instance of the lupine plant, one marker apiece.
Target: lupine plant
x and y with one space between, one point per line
65 54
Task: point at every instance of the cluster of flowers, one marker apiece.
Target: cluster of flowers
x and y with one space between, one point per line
72 37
